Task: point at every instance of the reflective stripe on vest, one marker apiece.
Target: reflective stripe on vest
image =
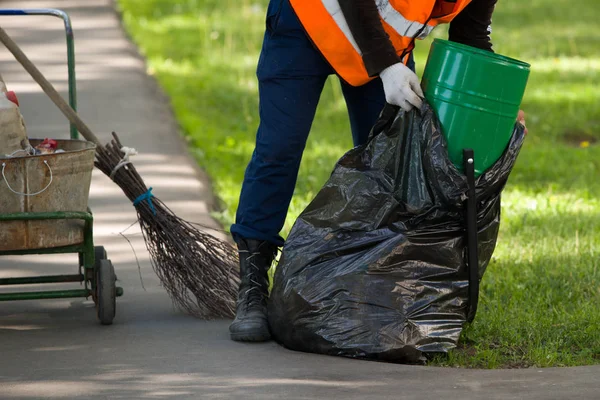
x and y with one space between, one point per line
400 24
325 24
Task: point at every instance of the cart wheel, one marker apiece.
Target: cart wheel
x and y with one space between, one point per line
99 254
106 292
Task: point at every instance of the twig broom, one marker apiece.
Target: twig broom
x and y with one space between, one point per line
198 271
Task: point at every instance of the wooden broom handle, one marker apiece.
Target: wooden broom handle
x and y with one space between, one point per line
48 88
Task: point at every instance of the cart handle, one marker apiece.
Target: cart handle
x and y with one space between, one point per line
70 49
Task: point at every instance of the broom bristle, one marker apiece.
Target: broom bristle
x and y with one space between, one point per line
198 270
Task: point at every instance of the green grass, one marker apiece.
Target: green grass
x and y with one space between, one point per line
540 294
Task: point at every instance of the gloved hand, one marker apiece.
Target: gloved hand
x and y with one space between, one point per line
521 119
401 87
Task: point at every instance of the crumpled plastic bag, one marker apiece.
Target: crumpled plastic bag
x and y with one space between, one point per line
376 266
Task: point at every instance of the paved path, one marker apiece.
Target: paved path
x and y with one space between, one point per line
55 349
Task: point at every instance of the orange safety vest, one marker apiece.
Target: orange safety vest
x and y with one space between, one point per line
403 20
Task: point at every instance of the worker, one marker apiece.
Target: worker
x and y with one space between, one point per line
368 44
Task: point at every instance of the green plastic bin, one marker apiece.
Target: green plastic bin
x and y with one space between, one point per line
476 95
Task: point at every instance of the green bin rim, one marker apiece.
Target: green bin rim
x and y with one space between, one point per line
485 53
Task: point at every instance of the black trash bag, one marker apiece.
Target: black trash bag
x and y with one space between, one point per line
375 267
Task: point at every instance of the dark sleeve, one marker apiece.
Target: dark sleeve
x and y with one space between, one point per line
377 50
472 25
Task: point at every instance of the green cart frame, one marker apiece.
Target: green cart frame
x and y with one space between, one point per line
95 273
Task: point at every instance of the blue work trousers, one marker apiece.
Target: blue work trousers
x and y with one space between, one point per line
291 75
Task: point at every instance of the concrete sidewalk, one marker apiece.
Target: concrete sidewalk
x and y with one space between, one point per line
56 349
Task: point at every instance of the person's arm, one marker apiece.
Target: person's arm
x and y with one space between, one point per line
400 84
472 25
364 23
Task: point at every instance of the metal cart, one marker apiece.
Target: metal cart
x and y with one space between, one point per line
96 273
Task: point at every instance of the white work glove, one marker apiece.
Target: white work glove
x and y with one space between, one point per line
401 87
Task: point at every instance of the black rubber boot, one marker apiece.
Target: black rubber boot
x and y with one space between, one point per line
250 324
